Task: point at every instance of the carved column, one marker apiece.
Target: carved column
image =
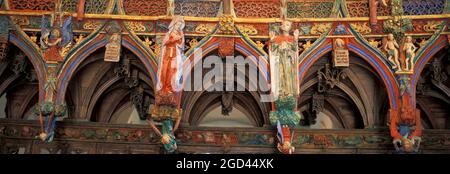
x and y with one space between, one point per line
80 10
405 127
400 52
373 14
227 7
170 7
56 41
283 9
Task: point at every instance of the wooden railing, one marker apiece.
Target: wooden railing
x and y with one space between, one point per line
19 136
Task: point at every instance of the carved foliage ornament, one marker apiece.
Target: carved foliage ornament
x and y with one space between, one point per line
3 49
437 72
247 29
329 77
320 28
361 27
227 103
226 24
318 102
205 28
135 26
432 26
91 25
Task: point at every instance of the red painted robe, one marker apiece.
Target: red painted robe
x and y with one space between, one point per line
281 38
169 63
52 53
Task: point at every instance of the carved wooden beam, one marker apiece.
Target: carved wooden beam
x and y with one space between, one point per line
215 19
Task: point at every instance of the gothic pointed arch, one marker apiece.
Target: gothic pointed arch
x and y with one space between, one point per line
70 66
352 98
99 89
245 97
20 87
433 91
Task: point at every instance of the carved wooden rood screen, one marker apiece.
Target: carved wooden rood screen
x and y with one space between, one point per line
331 76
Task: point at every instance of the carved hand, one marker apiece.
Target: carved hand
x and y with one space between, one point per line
296 33
271 35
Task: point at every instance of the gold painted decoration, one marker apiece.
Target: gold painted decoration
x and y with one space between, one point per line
432 26
226 24
248 29
20 20
374 43
91 25
260 45
33 38
422 42
136 26
204 28
307 45
147 42
164 112
320 28
193 42
156 49
362 28
64 50
79 39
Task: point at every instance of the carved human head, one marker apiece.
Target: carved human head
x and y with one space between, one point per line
408 39
165 139
407 145
286 26
55 33
390 36
177 23
339 43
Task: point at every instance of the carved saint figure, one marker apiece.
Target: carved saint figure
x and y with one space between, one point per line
410 50
391 47
171 58
56 38
169 80
283 60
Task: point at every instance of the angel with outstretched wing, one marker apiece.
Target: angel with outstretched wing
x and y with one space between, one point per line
67 35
